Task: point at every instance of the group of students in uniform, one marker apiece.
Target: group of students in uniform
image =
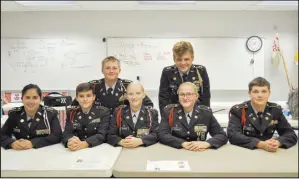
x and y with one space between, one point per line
119 112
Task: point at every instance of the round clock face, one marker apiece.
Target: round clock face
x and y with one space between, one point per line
254 43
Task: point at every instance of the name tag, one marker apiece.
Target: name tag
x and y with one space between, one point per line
96 120
16 130
42 131
176 129
124 128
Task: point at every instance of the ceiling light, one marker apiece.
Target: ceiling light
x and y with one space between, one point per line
167 2
278 3
46 3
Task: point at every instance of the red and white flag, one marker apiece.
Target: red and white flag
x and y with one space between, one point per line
276 52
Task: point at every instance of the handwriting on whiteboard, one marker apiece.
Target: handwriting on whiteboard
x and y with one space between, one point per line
134 54
30 55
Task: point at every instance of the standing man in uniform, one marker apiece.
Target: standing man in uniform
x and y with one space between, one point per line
111 89
183 71
186 125
87 125
253 123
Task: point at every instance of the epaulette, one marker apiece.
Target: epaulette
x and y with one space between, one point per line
15 109
121 106
171 106
170 68
102 107
125 81
96 81
240 106
148 107
50 109
203 107
73 108
198 66
273 105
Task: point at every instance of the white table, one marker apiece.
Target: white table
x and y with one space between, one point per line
57 161
227 161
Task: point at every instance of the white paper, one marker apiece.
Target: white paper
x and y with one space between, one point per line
167 166
87 163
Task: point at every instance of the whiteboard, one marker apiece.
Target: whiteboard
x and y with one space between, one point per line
226 59
53 64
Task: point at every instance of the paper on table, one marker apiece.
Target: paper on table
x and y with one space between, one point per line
87 163
167 166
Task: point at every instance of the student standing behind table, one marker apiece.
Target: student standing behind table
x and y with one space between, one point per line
110 90
183 71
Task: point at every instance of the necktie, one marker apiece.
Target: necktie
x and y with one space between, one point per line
188 118
260 116
29 122
110 91
184 77
134 119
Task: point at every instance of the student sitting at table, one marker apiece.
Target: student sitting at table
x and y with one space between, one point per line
86 125
253 123
187 124
31 125
134 125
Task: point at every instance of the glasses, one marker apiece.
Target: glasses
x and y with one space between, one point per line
188 95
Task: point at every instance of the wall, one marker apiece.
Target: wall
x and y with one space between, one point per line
171 24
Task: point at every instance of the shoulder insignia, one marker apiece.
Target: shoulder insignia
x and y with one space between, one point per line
198 66
72 108
240 106
148 107
171 106
121 106
15 109
203 107
50 109
170 68
125 81
273 105
96 81
102 107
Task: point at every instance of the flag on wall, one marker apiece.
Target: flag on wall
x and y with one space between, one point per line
275 52
276 56
296 57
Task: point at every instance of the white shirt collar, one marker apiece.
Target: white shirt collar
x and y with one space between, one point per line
113 86
190 114
136 113
255 111
181 73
